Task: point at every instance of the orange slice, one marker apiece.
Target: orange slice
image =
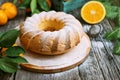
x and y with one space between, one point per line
93 12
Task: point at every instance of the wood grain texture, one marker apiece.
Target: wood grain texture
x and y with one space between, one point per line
57 63
101 64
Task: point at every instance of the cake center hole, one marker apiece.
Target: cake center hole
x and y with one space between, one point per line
50 25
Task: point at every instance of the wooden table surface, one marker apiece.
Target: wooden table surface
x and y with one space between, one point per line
101 64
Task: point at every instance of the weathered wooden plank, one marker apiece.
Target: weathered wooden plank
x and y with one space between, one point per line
101 53
66 75
90 70
101 59
101 64
96 67
116 57
5 76
115 62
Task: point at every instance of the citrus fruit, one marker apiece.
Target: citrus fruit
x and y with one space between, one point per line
3 18
9 9
93 12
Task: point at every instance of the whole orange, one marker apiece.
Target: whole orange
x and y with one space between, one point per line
3 18
9 9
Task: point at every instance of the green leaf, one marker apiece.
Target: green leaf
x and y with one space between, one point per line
44 5
14 51
118 18
15 1
36 11
17 59
20 60
116 49
8 38
24 4
8 66
33 5
111 11
112 35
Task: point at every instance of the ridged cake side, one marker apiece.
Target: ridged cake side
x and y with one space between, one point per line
50 42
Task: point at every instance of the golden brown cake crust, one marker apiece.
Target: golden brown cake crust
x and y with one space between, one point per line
50 33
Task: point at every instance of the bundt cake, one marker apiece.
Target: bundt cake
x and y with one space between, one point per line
50 33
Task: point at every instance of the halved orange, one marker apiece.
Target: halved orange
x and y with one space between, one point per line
93 12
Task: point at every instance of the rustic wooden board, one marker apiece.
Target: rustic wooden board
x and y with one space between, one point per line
101 64
58 63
